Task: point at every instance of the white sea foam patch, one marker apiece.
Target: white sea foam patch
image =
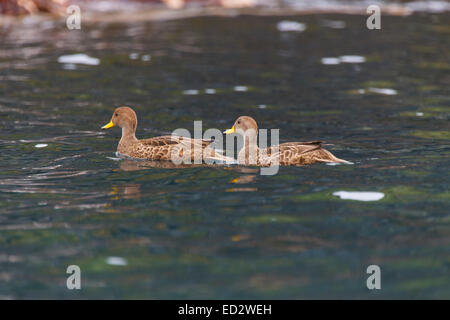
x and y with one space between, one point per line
330 60
386 91
359 195
116 261
240 88
191 92
133 56
291 26
41 145
352 59
79 58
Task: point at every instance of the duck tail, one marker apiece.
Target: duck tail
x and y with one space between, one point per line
331 158
342 161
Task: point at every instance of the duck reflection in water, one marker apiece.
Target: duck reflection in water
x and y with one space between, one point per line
135 165
126 191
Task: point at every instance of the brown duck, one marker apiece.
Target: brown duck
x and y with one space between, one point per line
289 153
176 148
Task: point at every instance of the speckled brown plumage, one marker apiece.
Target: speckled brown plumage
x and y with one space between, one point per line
285 154
174 148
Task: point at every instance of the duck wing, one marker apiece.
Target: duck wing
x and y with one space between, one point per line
174 140
290 153
294 148
175 148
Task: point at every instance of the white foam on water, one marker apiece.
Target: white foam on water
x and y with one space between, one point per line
419 114
146 57
262 106
359 195
191 92
116 261
41 145
330 60
285 25
79 58
240 88
352 59
133 56
210 91
386 91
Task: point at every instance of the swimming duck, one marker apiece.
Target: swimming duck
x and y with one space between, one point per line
289 153
176 148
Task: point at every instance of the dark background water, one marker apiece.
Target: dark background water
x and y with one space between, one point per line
226 232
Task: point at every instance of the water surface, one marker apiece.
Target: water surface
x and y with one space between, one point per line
140 230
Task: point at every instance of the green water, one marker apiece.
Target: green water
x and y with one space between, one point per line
226 232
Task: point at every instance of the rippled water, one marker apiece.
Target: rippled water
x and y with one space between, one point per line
148 230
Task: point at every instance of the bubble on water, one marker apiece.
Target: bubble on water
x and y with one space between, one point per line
359 195
191 92
146 57
240 88
291 26
352 59
386 91
330 60
41 145
116 261
133 56
419 114
210 91
79 58
262 106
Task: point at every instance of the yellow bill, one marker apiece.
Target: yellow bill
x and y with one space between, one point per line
232 130
109 125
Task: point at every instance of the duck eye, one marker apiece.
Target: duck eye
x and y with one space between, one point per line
116 114
239 122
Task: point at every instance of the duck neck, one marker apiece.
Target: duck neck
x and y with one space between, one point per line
249 153
128 135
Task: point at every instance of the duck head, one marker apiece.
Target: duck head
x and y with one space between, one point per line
123 117
245 126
